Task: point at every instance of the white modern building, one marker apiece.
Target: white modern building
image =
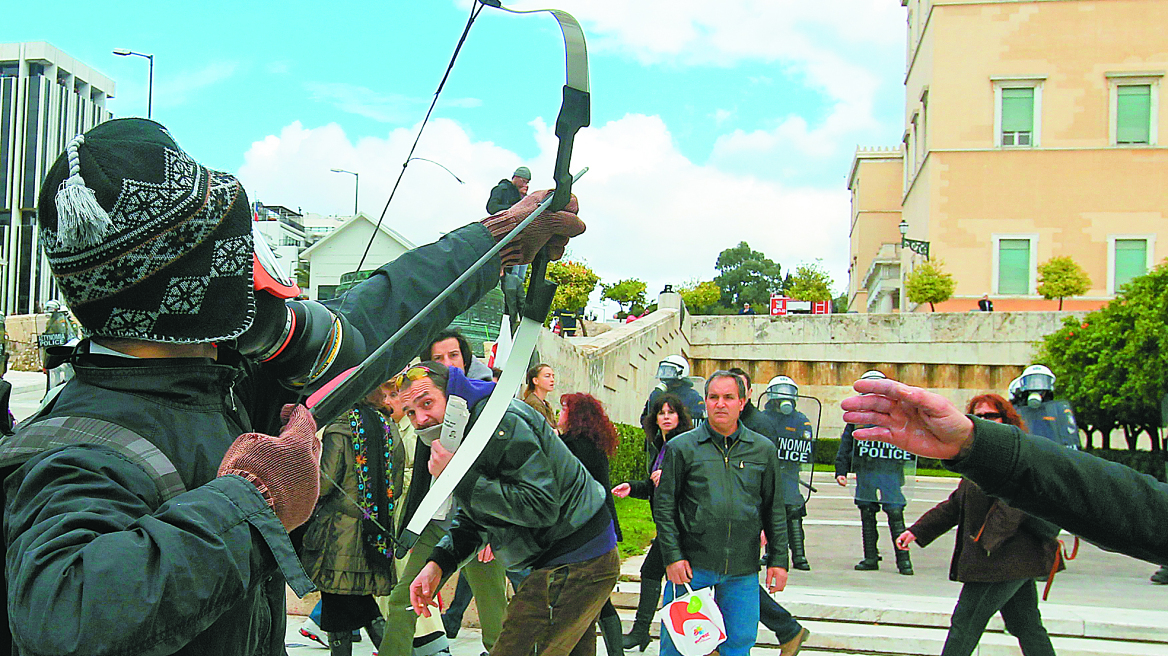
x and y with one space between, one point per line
283 229
339 252
46 98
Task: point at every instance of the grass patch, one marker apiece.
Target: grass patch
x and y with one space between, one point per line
637 527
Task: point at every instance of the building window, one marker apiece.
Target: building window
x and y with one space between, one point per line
1130 257
1134 108
1014 270
1018 116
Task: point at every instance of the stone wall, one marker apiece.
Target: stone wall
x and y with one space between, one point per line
959 355
618 366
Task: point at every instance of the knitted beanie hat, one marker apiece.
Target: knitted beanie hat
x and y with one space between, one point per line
144 242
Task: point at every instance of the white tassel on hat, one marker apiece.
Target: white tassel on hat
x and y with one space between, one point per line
81 220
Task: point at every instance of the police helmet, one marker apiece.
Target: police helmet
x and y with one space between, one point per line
1037 378
673 367
52 305
873 375
1015 388
781 393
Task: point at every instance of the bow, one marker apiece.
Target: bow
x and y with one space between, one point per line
574 114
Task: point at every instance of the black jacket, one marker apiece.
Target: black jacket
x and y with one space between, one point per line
96 565
503 196
1106 503
596 462
714 500
695 406
526 495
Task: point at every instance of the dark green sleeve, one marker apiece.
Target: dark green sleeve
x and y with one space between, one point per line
513 480
1104 502
127 575
400 289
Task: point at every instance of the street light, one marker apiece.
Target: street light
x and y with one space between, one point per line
356 186
915 245
433 162
122 52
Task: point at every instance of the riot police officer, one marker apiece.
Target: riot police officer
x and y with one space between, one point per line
1044 415
795 435
880 477
673 374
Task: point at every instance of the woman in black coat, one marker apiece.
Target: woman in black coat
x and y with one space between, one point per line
669 419
592 438
999 552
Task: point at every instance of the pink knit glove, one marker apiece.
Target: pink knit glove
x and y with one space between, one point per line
551 228
285 469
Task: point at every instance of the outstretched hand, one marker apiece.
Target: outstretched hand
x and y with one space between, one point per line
551 229
911 418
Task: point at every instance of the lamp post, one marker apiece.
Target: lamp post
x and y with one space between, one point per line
915 245
439 164
122 52
356 186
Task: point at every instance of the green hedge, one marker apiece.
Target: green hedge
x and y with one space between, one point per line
629 462
1146 462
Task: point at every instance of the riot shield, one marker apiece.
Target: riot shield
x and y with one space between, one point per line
796 432
1054 420
884 473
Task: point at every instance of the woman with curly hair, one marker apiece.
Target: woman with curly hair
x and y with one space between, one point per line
666 419
999 553
590 435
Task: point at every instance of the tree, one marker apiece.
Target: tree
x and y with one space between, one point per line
1060 277
1112 365
627 293
811 282
576 282
746 276
929 283
699 296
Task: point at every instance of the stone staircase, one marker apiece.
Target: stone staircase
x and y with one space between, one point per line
851 622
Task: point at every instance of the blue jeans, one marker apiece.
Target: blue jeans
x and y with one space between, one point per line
737 598
776 618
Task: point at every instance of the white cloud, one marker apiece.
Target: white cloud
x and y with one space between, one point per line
652 213
847 51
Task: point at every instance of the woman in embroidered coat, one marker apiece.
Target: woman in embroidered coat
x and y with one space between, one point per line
346 553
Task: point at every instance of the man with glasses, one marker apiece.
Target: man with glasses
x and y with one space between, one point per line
534 503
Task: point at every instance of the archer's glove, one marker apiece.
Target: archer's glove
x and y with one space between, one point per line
551 228
285 469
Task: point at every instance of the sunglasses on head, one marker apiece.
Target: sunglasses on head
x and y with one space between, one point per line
416 372
992 416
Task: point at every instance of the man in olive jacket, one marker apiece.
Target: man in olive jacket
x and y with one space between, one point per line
718 491
534 504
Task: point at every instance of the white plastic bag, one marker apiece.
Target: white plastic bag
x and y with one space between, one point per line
694 622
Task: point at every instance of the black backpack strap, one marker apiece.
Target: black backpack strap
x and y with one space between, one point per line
56 432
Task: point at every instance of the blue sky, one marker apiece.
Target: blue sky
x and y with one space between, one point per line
711 124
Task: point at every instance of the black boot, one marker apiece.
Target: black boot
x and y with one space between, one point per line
896 526
638 635
796 537
868 535
340 643
610 630
1161 576
376 630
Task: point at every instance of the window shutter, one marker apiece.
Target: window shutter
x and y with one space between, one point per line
1131 260
1014 266
1018 109
1133 113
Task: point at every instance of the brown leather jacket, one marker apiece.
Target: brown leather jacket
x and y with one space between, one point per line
994 541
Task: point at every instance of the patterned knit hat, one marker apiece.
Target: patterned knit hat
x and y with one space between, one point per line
144 242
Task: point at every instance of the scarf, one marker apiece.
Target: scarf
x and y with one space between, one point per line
372 440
